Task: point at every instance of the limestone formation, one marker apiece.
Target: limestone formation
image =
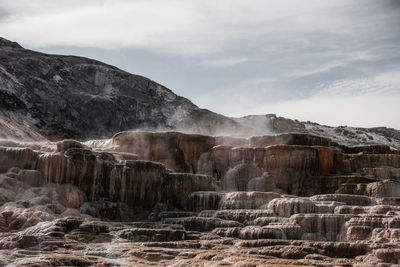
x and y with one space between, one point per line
288 200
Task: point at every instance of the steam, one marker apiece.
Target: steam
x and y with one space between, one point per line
208 123
44 146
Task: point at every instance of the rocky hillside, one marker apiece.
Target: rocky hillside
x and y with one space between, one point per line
54 97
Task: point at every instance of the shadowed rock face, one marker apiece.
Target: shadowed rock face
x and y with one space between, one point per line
177 151
74 97
56 97
137 184
292 139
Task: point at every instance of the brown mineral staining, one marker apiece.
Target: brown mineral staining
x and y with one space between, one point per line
171 198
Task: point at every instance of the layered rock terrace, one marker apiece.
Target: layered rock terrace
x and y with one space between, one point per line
162 198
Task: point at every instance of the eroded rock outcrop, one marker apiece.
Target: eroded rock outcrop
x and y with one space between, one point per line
305 199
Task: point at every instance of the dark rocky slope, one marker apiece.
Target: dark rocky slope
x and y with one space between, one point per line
54 96
58 96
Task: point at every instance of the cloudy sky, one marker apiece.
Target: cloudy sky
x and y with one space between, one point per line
333 62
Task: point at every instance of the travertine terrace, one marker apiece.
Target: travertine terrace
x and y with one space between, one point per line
208 190
168 198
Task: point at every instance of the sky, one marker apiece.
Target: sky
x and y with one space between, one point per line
331 62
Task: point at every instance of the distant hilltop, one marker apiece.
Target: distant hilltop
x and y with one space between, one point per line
52 97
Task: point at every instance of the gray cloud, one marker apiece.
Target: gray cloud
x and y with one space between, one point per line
246 57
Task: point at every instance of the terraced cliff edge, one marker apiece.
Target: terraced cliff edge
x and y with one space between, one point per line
163 198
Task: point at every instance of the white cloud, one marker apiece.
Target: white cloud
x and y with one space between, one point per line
339 60
176 26
288 46
360 110
222 62
366 102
